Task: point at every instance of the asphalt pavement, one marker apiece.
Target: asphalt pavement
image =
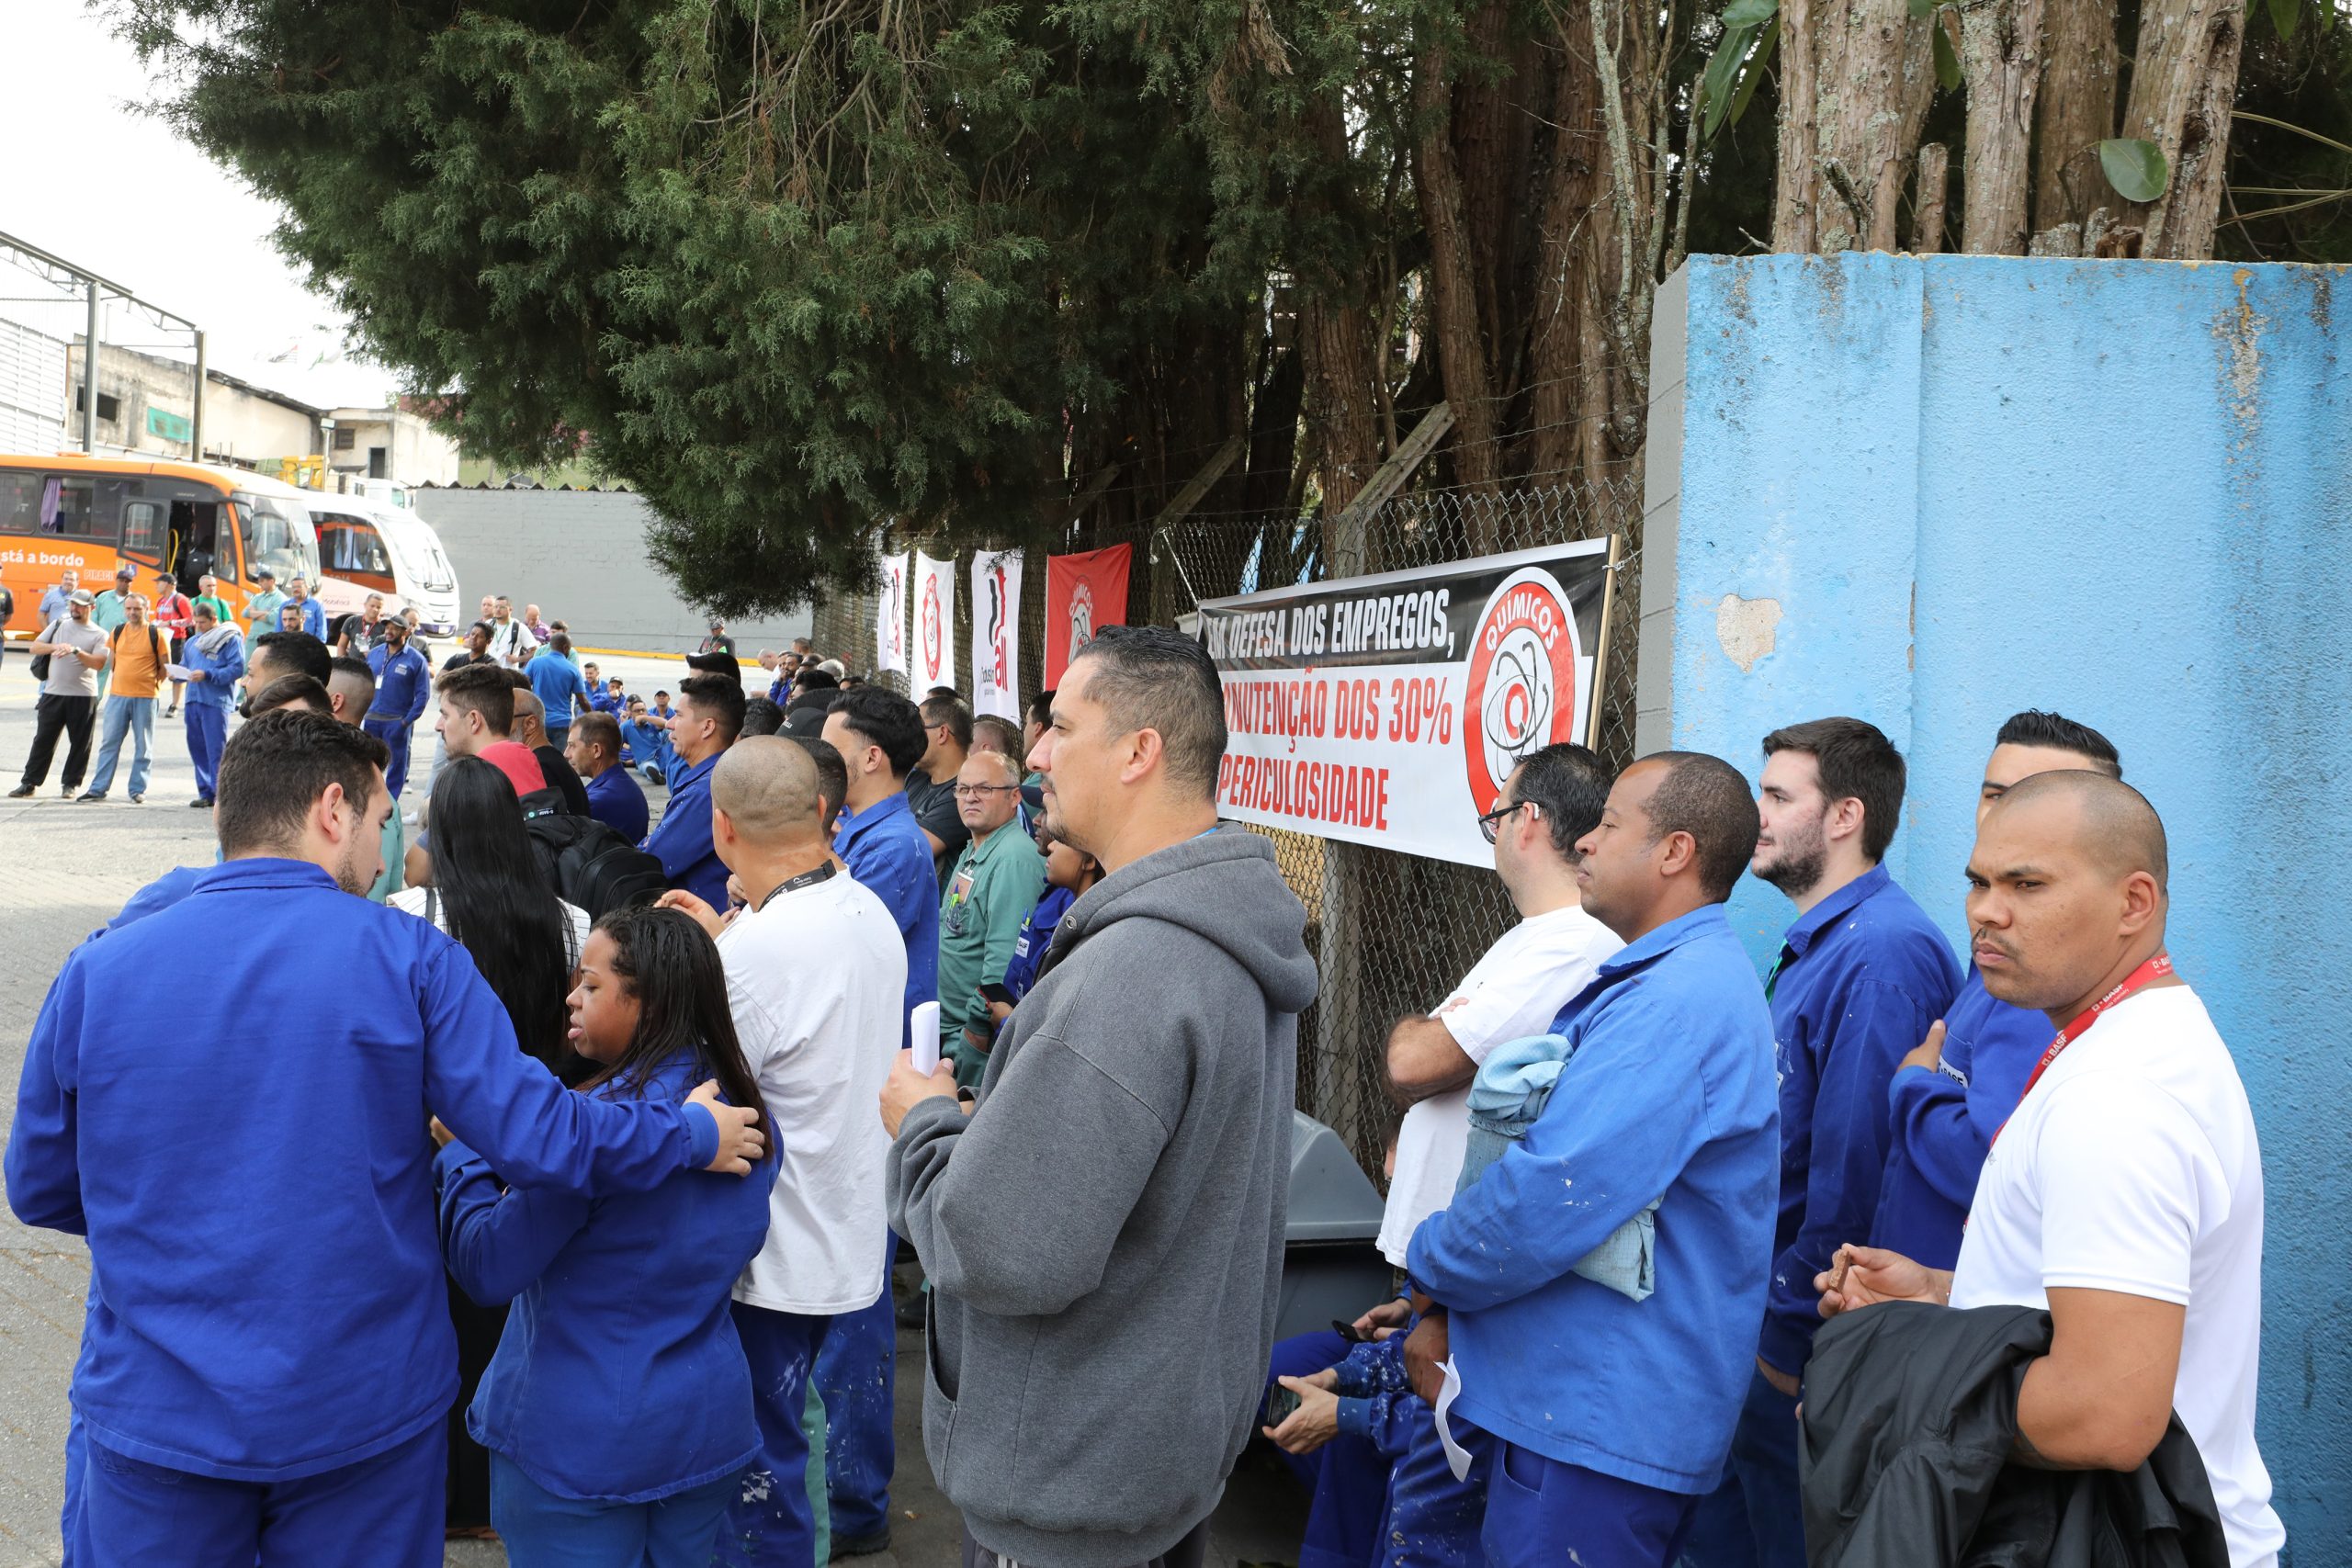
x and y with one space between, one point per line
65 870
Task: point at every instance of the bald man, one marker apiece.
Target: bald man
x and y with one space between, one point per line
2124 1193
820 1038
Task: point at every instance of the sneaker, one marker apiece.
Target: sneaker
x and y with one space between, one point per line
172 711
138 800
86 797
65 793
20 792
202 803
861 1545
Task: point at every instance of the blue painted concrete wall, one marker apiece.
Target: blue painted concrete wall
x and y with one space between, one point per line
1969 485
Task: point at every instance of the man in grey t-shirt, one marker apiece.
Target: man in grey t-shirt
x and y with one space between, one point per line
69 697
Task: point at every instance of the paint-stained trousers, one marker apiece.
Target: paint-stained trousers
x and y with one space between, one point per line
383 1512
856 1371
770 1521
1541 1512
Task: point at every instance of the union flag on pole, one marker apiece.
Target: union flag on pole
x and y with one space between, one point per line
1083 594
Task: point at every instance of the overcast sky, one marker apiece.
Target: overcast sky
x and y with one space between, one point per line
86 177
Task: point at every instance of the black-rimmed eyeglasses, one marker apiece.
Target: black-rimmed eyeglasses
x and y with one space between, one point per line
1491 824
977 791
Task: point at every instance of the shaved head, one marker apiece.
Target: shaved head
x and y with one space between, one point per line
767 786
2066 890
2114 824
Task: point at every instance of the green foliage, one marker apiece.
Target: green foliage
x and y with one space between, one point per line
2135 166
798 271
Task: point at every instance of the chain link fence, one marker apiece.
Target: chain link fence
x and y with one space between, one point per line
1392 933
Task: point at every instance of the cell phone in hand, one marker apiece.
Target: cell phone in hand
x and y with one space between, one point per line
1350 1333
1279 1404
992 992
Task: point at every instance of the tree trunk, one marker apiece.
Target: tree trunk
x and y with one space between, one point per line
1335 341
1935 185
1454 289
2000 56
2076 111
1564 281
1796 180
2183 75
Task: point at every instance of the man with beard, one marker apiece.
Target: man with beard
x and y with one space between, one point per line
1861 975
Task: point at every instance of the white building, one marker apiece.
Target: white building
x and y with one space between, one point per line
397 443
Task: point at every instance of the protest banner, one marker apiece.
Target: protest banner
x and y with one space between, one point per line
996 633
1388 710
890 616
1083 594
934 649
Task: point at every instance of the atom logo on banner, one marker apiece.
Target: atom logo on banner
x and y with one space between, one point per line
1522 681
1081 617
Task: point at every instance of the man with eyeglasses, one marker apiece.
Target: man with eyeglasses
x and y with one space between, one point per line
995 884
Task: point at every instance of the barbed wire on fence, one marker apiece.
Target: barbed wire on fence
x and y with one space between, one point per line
1393 933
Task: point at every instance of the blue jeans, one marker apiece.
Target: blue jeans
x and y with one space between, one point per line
383 1512
770 1522
855 1373
135 716
1756 1519
540 1530
207 731
1541 1511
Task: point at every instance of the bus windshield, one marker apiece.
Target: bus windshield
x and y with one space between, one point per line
277 535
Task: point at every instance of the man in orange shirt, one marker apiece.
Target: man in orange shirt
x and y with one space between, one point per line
139 657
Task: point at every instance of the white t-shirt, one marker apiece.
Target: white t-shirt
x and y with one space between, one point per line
1517 989
417 901
820 1024
2132 1167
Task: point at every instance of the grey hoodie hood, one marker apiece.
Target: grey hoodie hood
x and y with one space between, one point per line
1104 1233
1224 885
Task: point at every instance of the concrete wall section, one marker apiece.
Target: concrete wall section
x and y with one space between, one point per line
580 557
2123 490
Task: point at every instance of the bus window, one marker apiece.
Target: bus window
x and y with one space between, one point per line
20 495
142 527
276 534
350 547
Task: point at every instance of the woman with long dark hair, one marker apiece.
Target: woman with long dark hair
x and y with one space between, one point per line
489 895
618 1408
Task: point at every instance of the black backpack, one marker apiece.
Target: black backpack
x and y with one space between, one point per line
586 862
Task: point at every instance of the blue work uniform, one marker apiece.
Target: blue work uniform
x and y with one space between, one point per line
208 705
314 618
1346 1478
1941 1122
619 1381
884 848
558 684
1666 1097
682 841
616 800
267 1343
1859 978
1036 935
404 683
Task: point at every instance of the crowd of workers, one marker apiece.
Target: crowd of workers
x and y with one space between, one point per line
1633 1181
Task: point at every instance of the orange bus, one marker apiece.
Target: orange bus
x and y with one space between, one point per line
93 512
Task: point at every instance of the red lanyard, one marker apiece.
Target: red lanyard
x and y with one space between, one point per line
2155 968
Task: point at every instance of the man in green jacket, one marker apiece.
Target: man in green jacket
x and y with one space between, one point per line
995 884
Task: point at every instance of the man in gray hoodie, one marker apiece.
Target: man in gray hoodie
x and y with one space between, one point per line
1102 1222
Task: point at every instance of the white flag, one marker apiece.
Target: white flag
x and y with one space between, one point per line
996 633
890 616
934 593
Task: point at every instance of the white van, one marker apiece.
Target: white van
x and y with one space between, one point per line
367 546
